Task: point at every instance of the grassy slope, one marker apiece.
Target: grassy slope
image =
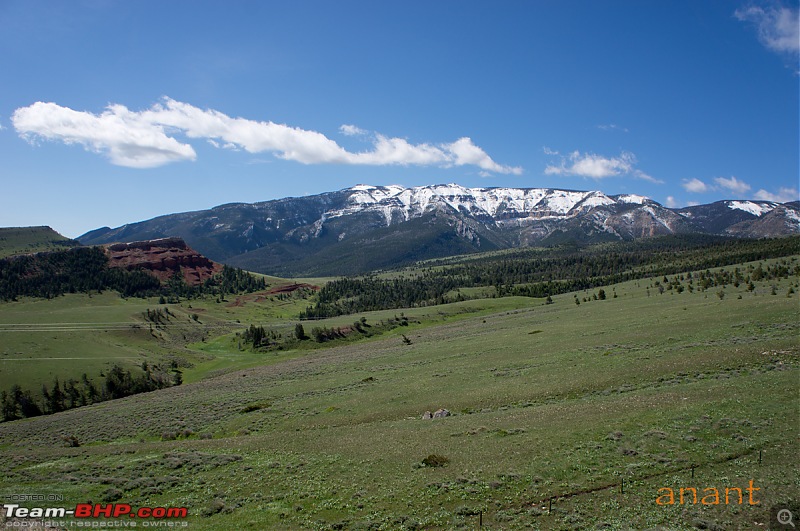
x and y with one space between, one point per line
549 400
23 240
75 334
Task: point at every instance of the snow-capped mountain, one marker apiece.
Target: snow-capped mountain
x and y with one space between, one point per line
495 203
367 227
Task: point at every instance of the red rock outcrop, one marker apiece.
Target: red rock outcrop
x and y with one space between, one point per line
163 257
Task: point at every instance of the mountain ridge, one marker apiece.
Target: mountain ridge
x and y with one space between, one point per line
28 240
365 227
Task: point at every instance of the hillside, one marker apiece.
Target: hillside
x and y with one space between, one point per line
26 240
366 227
563 415
166 267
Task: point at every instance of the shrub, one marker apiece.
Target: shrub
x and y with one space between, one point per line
466 510
70 441
111 495
214 507
435 460
255 406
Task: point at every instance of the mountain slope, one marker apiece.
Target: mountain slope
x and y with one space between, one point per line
366 227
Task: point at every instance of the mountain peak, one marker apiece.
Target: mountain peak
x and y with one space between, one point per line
368 227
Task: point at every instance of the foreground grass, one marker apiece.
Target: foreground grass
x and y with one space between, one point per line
558 402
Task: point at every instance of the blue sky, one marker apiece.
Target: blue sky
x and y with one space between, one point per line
115 112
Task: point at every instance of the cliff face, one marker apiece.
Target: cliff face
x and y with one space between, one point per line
163 257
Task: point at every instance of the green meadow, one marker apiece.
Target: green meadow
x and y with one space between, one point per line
563 415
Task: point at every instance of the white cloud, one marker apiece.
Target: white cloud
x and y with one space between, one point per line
290 143
696 186
143 139
351 130
645 177
733 184
740 188
464 152
399 151
778 27
671 202
612 127
595 166
123 136
784 195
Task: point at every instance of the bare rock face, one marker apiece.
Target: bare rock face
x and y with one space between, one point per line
438 414
162 258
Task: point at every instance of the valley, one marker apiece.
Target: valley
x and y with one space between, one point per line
397 266
565 414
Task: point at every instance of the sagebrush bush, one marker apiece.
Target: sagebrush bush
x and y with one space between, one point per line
435 460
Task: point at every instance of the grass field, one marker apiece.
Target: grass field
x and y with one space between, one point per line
78 333
553 408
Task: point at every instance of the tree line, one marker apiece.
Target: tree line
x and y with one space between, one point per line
85 269
257 338
61 396
543 273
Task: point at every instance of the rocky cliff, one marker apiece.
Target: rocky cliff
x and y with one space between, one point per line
163 257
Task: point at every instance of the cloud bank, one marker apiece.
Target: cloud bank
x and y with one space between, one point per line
146 139
594 166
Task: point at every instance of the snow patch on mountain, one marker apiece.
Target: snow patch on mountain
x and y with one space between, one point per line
497 203
597 199
632 199
655 216
757 209
792 214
